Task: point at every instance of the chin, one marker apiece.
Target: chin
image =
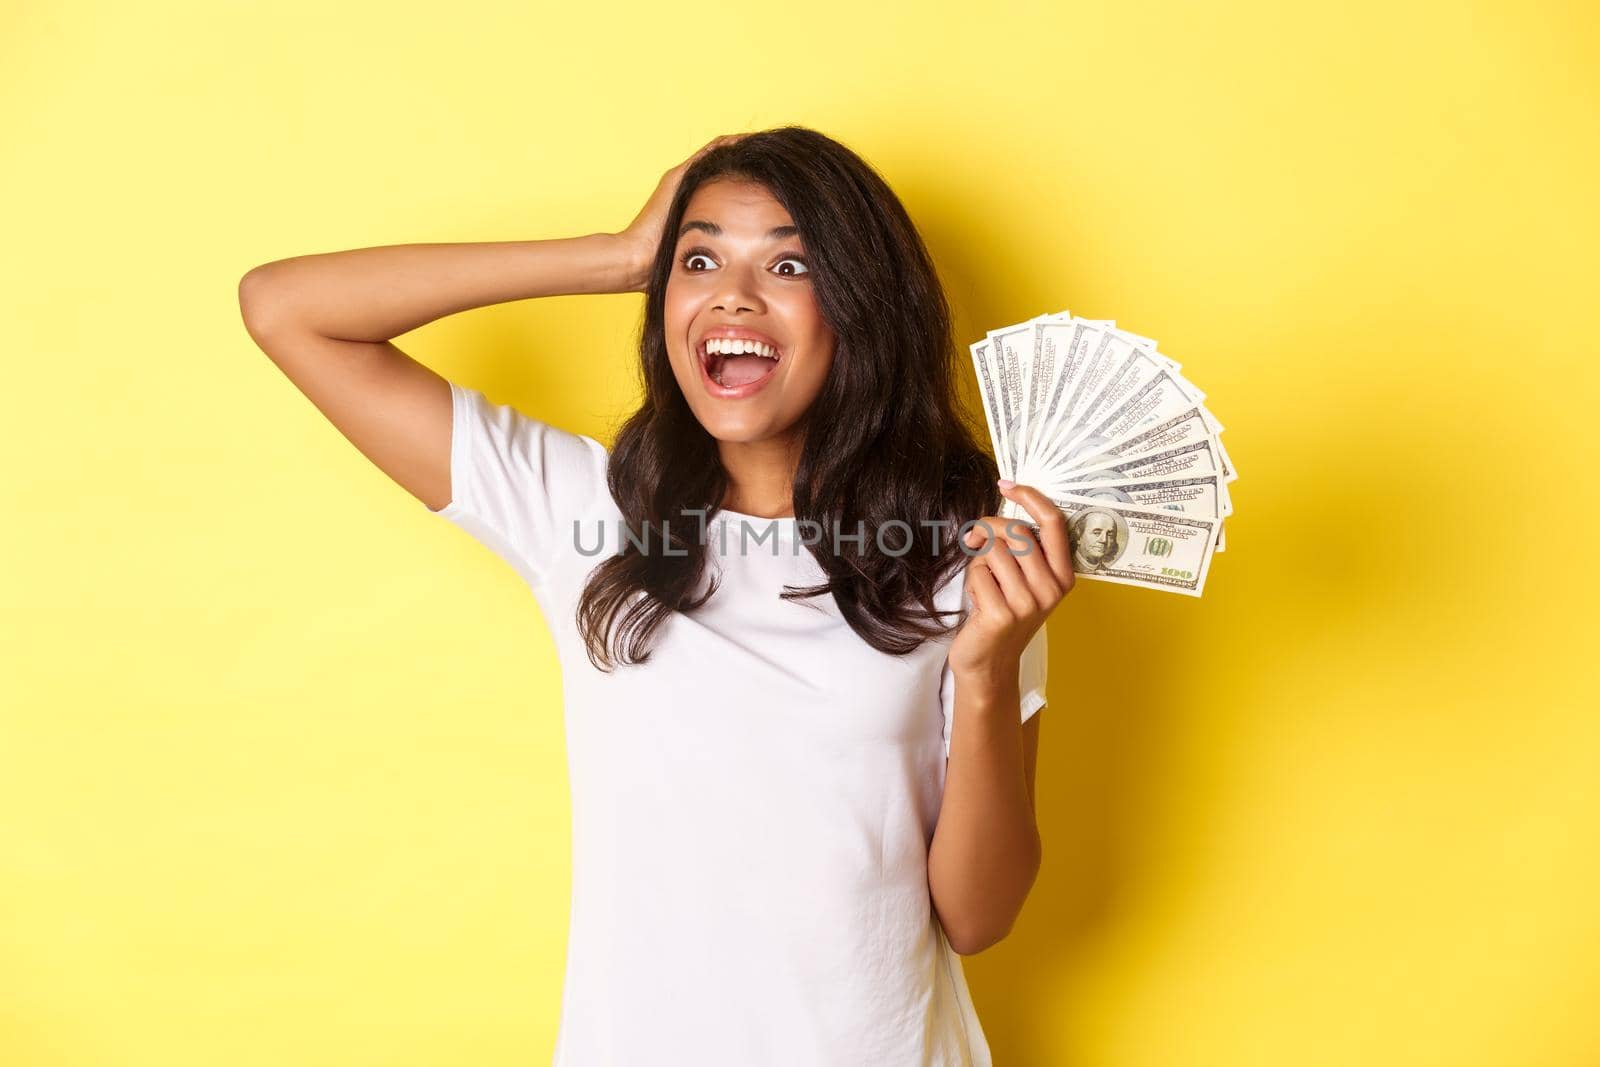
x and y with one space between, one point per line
739 431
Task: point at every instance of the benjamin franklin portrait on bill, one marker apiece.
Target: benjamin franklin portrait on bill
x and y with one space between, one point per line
1098 538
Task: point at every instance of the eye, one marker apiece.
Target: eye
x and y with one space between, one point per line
692 254
687 260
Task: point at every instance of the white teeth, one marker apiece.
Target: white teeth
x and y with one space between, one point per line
733 346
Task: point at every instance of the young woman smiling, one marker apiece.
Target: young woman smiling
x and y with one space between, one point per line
799 708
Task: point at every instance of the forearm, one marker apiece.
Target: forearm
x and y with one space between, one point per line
375 294
985 851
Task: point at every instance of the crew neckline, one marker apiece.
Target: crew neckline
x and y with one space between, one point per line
722 513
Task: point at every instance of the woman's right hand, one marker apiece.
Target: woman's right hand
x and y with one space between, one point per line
643 235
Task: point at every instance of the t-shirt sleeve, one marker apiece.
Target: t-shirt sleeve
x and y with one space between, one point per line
1030 683
517 483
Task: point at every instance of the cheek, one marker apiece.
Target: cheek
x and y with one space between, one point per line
675 330
677 305
816 369
671 315
819 340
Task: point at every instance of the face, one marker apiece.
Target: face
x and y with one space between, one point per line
1094 537
739 280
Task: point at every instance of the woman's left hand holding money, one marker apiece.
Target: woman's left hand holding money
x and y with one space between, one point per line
1014 582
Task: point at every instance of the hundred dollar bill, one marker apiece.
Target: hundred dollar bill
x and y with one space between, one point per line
1084 410
1017 350
1062 343
1184 428
1196 457
1140 341
1106 379
1196 495
1072 345
1190 460
1161 397
1107 348
1139 373
1134 545
1010 348
1037 373
990 389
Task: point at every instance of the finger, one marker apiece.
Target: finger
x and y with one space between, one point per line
996 552
702 150
987 597
1030 558
1052 529
727 138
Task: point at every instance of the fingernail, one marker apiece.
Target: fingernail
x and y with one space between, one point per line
1005 483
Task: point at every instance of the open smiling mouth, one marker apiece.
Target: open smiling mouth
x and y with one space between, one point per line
736 365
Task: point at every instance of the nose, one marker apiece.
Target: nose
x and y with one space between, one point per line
737 291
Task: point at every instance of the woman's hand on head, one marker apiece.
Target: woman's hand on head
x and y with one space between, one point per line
643 235
1014 582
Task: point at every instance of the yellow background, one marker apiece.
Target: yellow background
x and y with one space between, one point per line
281 769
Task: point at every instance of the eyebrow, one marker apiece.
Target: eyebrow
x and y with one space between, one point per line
714 230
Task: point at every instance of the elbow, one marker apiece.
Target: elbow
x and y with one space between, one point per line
970 943
975 933
970 947
981 933
260 301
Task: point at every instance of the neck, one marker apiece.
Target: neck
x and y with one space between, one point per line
760 476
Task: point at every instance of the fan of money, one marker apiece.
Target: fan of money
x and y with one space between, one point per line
1121 442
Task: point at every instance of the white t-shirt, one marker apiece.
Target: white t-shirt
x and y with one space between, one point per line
751 809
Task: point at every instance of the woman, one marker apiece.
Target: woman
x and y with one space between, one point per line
800 674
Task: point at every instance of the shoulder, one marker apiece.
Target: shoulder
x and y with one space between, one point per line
518 482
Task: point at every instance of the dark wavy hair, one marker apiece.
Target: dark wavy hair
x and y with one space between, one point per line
888 437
